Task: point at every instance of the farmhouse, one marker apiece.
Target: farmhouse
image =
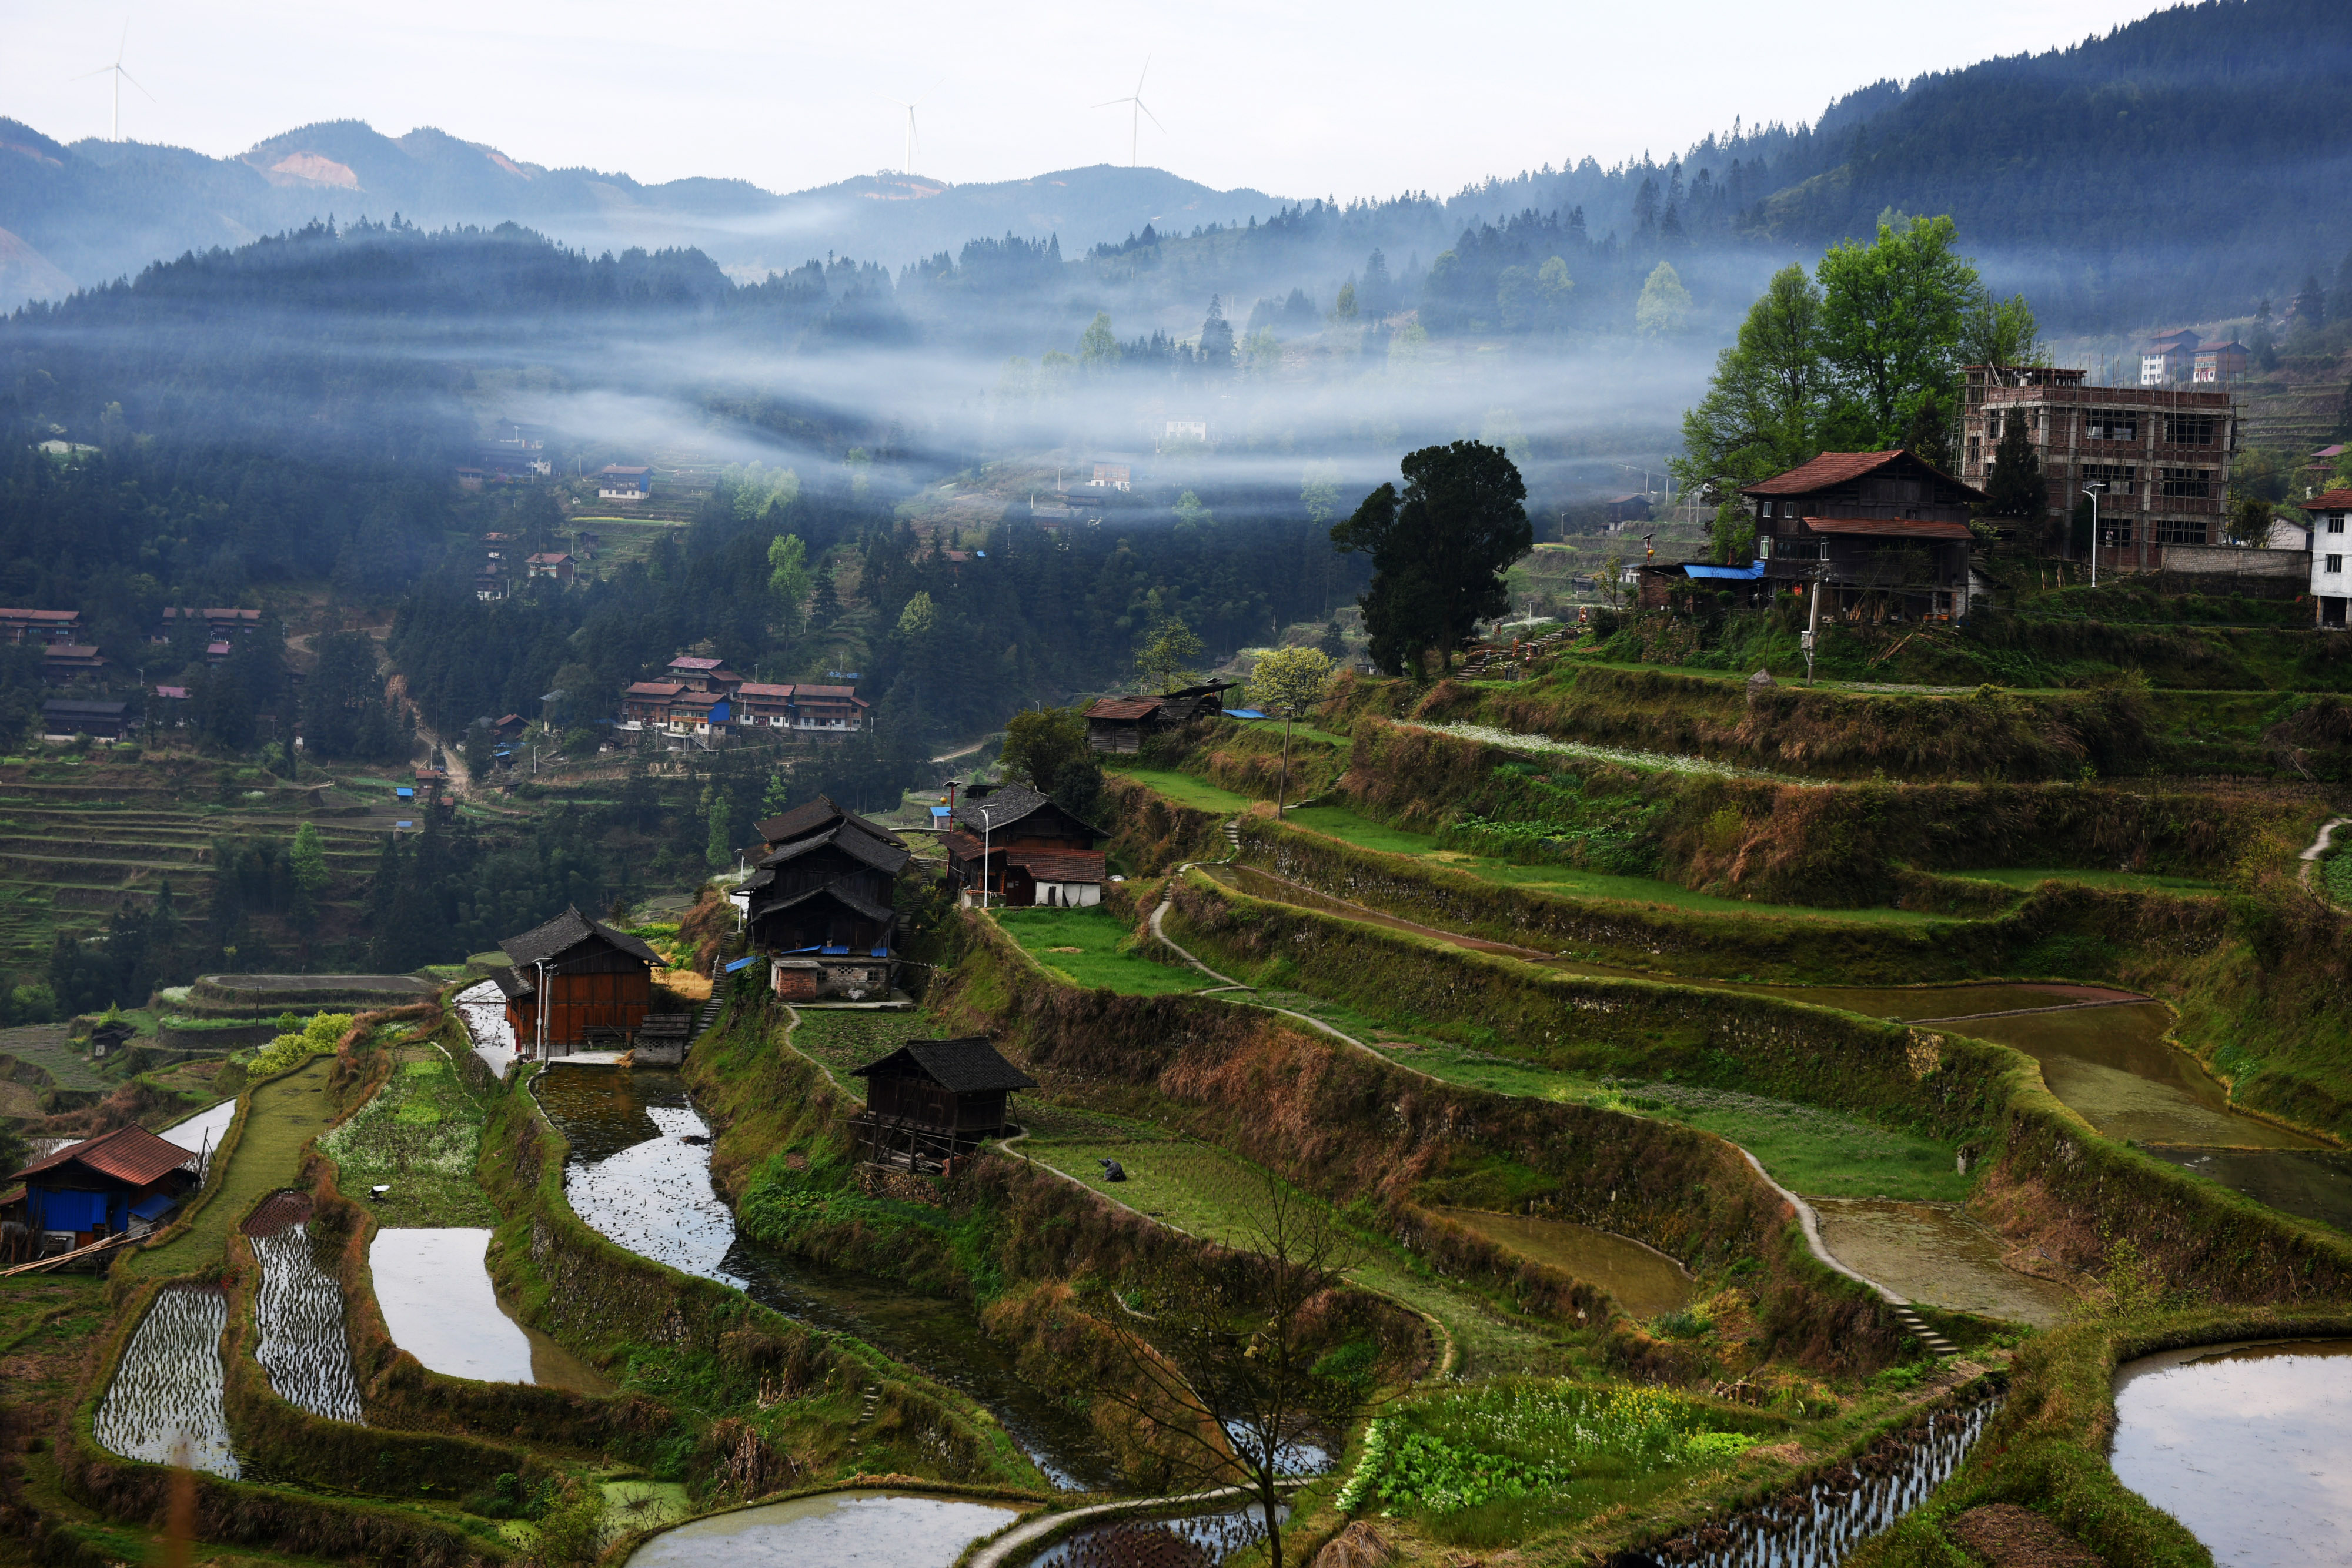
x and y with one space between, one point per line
590 983
930 1100
1883 530
116 1184
1015 846
618 482
2331 584
40 625
64 717
1120 724
820 902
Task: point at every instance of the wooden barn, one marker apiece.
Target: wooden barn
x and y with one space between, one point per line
595 984
1022 849
932 1099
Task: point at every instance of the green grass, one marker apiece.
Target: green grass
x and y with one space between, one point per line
1338 822
285 1113
1271 729
421 1136
1201 1189
2127 880
844 1041
1185 790
1089 948
1810 1151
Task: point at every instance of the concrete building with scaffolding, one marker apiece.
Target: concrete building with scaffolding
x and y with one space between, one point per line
2157 456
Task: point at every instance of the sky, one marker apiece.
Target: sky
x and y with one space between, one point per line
1366 100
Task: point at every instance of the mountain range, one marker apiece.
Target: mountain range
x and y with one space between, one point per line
2181 168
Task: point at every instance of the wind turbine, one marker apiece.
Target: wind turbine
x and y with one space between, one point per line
1136 115
906 165
121 75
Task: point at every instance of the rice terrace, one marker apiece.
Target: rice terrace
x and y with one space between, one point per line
712 856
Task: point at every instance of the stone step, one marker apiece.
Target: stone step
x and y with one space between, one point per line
1942 1348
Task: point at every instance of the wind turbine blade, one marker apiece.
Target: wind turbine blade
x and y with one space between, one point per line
152 99
99 72
1142 74
931 89
1147 114
1106 103
125 41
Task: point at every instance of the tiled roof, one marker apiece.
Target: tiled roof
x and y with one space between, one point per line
566 930
763 689
1006 804
960 1066
857 846
132 1155
683 663
841 893
1830 469
655 688
814 816
2329 501
1124 710
1060 865
836 693
1890 528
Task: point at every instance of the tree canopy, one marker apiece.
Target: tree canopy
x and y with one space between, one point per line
1439 549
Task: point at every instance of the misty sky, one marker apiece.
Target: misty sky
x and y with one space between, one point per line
1359 100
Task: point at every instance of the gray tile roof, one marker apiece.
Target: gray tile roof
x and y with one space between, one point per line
960 1066
567 931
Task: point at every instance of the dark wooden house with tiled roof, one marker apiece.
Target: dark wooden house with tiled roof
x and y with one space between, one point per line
1120 724
1882 534
820 902
932 1099
592 984
1018 847
119 1183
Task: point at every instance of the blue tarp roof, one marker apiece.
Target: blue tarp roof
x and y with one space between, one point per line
1244 712
150 1206
1744 573
745 963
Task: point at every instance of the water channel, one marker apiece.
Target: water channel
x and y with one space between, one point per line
2245 1445
640 1174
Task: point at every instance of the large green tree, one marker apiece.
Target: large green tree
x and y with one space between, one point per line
1439 549
1891 316
1770 404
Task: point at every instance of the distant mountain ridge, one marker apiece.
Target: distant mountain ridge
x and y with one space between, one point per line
95 211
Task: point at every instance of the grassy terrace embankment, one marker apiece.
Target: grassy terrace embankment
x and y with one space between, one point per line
2123 729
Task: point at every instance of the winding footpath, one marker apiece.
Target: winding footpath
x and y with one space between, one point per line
2319 846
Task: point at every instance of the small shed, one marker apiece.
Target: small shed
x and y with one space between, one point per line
117 1183
930 1099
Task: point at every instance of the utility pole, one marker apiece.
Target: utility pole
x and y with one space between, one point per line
1812 623
2092 490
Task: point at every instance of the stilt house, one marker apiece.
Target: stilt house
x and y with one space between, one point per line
1020 848
932 1099
820 902
1876 532
594 983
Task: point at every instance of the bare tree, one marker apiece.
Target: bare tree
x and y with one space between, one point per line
1218 1354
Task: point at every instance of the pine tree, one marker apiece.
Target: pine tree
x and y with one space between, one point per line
2014 488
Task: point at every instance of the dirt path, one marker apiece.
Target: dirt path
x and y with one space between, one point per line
2310 857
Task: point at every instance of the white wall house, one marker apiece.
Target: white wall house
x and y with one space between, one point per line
2331 553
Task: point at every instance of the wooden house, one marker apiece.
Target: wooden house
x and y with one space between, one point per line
62 716
1019 847
119 1183
821 902
1882 533
1120 724
594 984
932 1099
40 625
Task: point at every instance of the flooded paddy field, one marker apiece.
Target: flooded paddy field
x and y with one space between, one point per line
2246 1445
441 1307
1183 1540
851 1528
1933 1254
164 1405
298 1313
640 1176
1646 1282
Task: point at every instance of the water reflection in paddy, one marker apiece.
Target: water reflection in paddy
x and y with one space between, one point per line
640 1174
1188 1541
164 1405
1645 1283
2245 1445
853 1529
441 1307
1932 1253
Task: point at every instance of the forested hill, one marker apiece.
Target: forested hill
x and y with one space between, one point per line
2185 164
